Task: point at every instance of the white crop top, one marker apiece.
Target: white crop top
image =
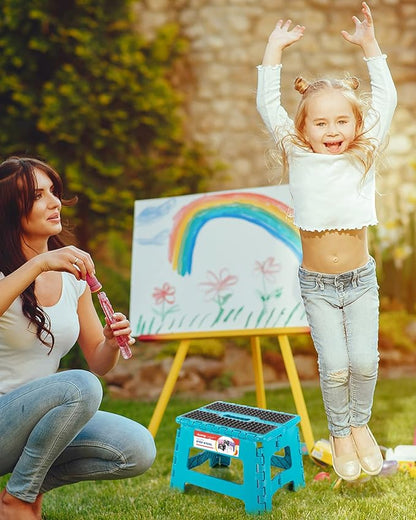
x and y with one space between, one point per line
328 190
23 357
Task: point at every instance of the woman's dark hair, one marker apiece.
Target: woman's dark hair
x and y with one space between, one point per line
17 196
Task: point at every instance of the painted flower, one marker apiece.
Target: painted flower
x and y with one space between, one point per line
216 284
163 294
268 268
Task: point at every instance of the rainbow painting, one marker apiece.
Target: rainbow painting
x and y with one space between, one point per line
266 212
215 263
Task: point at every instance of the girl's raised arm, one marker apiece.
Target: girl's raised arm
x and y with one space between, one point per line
280 38
364 34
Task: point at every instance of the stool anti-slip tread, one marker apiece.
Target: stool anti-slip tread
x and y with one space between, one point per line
266 415
212 418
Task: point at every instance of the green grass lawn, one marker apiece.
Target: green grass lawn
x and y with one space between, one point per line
150 497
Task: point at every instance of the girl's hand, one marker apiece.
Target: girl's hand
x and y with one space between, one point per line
69 259
364 30
282 37
120 327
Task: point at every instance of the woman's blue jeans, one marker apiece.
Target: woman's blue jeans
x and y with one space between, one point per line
52 434
342 312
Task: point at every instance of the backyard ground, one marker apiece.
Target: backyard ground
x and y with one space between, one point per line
150 497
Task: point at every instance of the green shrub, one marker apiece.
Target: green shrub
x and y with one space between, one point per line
82 89
393 325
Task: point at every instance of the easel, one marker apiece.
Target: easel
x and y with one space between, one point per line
282 336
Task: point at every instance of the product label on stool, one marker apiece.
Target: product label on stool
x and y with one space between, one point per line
218 443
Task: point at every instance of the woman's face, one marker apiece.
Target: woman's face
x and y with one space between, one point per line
44 220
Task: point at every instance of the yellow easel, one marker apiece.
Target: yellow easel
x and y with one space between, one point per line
282 335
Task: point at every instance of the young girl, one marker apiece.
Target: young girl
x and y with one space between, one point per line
51 431
330 149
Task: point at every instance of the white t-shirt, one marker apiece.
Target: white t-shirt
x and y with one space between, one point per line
329 191
23 357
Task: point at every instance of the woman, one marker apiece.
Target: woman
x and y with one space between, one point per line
51 430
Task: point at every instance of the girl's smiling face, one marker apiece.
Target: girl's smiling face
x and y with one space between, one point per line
330 124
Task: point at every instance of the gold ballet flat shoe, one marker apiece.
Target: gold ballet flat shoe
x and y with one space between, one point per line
345 466
371 459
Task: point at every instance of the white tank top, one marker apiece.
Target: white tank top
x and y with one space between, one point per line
23 357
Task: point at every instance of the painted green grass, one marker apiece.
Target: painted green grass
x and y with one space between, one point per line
246 320
149 497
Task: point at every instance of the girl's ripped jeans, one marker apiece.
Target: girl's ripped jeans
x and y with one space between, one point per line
342 311
52 434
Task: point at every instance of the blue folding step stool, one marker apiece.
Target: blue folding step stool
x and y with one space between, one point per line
261 439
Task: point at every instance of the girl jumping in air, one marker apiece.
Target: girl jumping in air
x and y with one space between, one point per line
330 149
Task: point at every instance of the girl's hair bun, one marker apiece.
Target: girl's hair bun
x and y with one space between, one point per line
349 82
352 82
301 85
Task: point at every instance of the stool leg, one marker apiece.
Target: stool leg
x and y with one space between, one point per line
256 495
291 462
296 459
180 458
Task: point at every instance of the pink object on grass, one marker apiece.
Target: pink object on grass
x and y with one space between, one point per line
322 475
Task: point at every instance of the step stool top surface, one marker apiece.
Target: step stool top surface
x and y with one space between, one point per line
239 417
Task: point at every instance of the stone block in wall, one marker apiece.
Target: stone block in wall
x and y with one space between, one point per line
400 144
406 94
408 12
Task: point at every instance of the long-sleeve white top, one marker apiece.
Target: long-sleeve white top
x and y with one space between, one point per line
330 192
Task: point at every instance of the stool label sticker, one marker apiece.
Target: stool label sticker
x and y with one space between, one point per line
218 443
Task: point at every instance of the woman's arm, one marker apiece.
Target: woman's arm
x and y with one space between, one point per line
63 259
98 344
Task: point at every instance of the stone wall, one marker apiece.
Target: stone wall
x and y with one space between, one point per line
227 39
218 80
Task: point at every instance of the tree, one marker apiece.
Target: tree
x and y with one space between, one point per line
80 88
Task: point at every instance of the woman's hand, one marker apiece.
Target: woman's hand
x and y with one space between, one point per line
69 258
120 327
99 345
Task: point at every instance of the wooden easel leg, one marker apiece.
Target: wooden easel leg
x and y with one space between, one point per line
168 387
297 393
258 371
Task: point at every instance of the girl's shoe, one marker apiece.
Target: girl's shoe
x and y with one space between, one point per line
345 466
371 459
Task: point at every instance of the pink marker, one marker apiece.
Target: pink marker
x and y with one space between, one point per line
123 341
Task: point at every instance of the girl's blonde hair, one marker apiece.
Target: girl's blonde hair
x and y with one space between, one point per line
362 149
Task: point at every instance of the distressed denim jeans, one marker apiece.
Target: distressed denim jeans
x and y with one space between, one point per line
52 434
342 312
